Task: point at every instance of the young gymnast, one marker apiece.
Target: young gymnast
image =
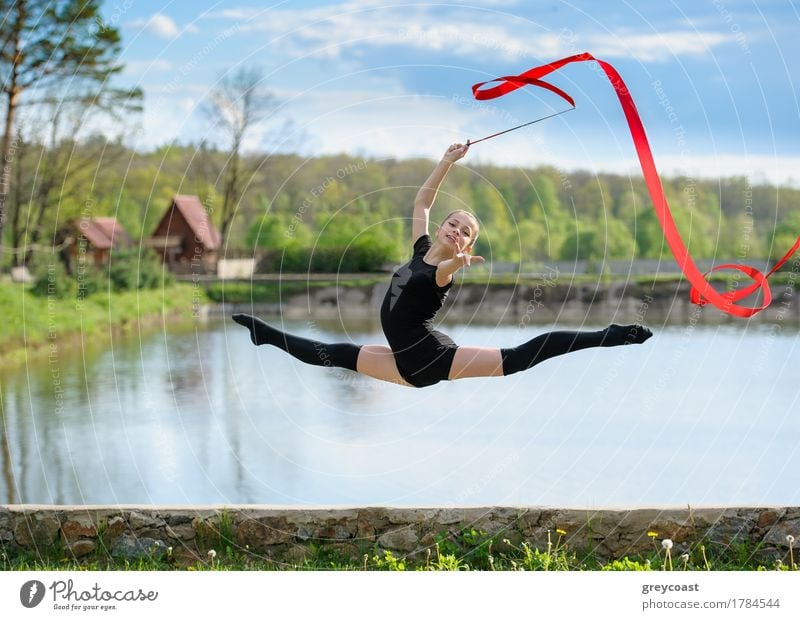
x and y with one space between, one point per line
419 355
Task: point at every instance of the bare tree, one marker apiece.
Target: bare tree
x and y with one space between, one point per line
61 167
235 106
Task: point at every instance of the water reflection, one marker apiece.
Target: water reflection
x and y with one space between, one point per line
701 414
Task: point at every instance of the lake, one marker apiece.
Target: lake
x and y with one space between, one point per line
700 414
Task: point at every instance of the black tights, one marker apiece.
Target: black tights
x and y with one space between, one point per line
552 344
342 355
522 357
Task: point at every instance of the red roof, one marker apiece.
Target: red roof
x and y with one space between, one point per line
104 232
196 216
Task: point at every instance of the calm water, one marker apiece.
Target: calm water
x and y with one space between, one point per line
699 415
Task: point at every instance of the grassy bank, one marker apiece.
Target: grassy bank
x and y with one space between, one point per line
469 550
274 292
31 323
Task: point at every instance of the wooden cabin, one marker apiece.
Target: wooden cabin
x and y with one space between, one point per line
93 239
185 238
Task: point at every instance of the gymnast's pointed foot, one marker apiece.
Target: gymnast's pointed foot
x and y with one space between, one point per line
625 334
260 332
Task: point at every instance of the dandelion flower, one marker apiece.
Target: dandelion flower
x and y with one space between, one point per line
561 532
652 534
667 544
789 538
212 554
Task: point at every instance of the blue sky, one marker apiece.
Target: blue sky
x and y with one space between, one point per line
392 79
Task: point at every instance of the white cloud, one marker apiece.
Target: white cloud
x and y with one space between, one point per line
391 124
328 30
137 68
159 25
662 46
776 169
401 125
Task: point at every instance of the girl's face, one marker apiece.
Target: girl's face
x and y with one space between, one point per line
457 232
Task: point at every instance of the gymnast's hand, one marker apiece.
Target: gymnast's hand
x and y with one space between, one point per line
465 259
455 152
449 266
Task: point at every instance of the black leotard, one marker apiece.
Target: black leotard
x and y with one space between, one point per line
423 355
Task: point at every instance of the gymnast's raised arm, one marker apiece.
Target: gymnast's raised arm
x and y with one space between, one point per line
427 193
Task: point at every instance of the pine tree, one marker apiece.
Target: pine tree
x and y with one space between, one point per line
50 47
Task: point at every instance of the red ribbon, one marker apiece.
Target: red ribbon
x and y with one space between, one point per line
702 292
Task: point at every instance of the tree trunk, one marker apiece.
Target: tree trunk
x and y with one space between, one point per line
13 91
17 234
231 196
6 160
41 201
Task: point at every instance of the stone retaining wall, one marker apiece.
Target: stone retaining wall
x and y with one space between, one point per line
287 534
526 303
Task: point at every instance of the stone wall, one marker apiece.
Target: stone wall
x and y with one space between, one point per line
528 303
287 534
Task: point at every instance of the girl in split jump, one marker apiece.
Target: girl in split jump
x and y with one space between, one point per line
419 355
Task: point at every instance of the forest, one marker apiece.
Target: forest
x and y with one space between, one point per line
353 214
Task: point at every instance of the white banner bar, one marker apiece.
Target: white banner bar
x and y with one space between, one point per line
390 595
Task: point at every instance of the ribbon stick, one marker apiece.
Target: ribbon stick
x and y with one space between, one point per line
500 133
701 292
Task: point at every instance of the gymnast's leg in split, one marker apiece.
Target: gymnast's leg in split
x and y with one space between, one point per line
378 361
500 362
373 360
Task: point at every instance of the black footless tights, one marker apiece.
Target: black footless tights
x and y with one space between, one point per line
552 344
342 355
522 357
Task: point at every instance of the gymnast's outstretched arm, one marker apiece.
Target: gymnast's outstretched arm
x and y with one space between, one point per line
427 193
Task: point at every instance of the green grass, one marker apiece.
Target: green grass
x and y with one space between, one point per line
274 292
467 550
31 323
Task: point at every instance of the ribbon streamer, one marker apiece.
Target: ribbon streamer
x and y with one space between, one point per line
701 292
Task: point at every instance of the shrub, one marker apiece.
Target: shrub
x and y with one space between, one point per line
52 280
131 270
359 257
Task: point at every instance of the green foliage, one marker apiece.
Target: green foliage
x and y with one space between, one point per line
90 279
626 564
64 48
216 550
130 270
338 214
447 562
388 562
40 320
784 235
51 280
580 245
278 232
345 245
